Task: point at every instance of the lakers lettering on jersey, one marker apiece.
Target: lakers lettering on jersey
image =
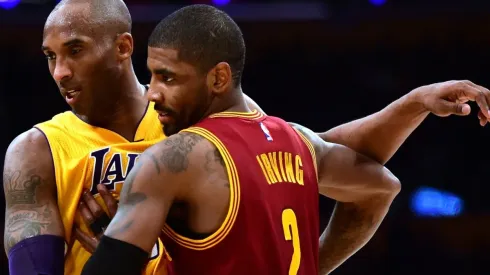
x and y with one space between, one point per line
272 225
108 168
85 156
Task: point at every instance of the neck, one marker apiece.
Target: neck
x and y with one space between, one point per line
124 108
235 102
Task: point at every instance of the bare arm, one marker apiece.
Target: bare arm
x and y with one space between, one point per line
363 189
30 190
162 174
381 134
142 190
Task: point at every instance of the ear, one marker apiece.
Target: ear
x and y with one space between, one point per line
124 46
220 78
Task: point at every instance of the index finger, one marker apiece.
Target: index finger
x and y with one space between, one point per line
88 242
86 214
109 200
481 95
92 204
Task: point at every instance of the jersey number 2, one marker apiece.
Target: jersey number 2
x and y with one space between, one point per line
290 226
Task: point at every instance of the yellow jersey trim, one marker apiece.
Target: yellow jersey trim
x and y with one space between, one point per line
311 149
249 115
163 250
234 181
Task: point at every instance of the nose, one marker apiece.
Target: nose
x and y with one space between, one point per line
62 70
153 94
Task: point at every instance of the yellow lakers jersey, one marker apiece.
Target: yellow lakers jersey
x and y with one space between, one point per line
84 156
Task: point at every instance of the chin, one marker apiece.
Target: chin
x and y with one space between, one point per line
169 130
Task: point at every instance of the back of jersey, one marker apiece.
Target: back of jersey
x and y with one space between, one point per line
272 225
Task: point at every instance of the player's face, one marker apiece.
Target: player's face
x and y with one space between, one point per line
180 92
81 65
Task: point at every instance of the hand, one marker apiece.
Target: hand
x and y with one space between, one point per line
94 216
451 97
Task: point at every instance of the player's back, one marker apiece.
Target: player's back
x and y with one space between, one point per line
84 156
272 223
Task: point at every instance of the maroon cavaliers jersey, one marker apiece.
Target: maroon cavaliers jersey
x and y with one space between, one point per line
272 225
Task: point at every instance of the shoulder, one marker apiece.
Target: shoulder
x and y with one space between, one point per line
303 130
32 141
325 151
174 165
180 152
321 147
29 152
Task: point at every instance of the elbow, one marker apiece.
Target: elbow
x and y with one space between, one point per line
391 184
382 194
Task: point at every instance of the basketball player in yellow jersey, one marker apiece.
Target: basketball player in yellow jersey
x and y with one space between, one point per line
84 156
88 46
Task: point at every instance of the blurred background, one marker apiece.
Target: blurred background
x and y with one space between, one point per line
322 64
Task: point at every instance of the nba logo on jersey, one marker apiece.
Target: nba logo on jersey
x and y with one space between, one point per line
266 132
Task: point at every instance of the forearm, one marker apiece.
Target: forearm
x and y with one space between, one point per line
350 228
379 135
30 190
131 259
24 222
42 254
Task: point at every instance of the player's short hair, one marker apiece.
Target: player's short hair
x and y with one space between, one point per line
106 15
203 37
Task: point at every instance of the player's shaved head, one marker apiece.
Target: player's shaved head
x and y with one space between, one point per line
91 17
88 46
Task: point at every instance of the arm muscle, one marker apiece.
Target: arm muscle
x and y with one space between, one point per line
30 190
157 179
379 135
345 175
364 190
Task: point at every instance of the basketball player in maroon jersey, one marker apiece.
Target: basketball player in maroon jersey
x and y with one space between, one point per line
236 192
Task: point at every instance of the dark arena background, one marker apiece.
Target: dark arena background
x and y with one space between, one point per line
323 63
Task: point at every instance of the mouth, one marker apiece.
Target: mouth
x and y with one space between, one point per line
164 117
72 93
71 96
